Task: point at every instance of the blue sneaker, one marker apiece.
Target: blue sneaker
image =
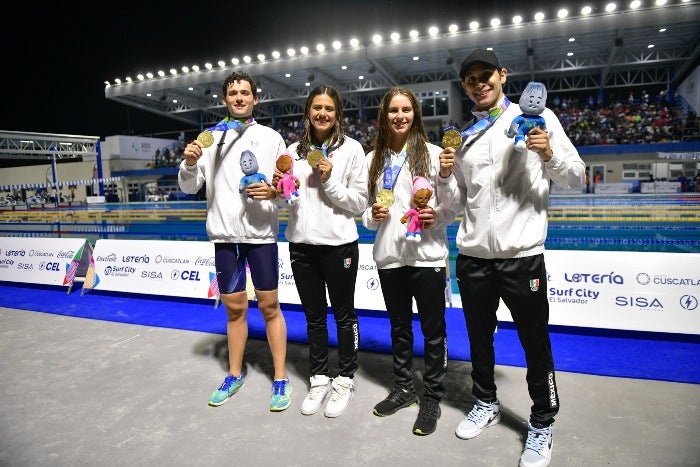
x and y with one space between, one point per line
230 386
281 395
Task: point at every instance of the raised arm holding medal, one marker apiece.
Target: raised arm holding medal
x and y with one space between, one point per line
409 270
244 234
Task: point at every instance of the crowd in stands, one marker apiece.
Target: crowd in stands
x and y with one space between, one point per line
588 122
630 121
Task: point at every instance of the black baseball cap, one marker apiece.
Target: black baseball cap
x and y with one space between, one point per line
479 55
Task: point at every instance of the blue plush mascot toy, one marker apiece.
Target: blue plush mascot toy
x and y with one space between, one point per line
249 165
532 103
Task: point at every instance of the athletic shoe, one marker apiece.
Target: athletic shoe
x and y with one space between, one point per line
427 416
281 395
230 386
482 415
342 389
319 389
538 447
397 399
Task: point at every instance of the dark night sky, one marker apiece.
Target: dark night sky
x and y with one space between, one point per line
57 57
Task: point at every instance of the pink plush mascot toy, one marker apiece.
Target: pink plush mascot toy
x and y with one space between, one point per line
288 184
422 192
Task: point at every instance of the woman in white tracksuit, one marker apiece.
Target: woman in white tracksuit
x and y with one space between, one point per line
409 270
323 243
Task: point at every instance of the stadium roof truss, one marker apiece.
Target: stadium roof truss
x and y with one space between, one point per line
37 146
610 52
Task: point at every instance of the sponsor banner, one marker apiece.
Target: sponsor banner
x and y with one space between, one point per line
156 267
642 291
48 261
368 293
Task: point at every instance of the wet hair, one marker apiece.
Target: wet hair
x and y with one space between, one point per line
239 76
418 157
336 137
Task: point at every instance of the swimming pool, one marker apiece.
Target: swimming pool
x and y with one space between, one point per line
656 223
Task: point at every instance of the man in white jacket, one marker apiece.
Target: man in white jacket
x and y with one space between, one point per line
504 194
243 224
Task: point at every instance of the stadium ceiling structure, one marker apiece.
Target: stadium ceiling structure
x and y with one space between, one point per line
615 51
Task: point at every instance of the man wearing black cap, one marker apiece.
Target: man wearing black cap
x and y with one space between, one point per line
504 194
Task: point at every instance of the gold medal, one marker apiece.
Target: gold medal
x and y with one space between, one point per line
451 139
205 138
385 198
314 157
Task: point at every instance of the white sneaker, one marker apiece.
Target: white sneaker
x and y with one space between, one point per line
482 415
342 389
538 447
320 387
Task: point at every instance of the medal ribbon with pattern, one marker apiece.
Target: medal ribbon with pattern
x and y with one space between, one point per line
323 147
483 124
206 138
229 123
391 173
